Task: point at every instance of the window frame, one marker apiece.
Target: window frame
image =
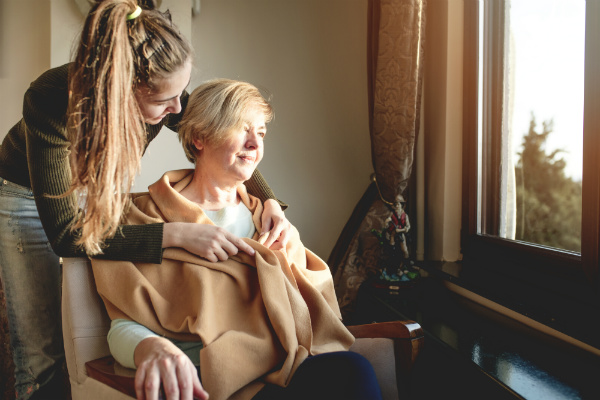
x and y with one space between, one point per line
539 278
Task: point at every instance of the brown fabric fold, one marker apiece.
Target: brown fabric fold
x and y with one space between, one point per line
258 317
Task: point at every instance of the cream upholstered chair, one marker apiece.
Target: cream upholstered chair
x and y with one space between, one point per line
390 347
85 326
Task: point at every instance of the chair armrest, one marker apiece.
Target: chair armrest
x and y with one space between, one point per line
407 336
408 339
390 330
109 372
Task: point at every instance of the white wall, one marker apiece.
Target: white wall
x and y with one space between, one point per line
310 54
24 53
66 21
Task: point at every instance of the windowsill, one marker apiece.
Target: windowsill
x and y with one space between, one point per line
553 313
521 360
485 302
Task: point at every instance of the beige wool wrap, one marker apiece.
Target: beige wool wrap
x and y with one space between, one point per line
258 317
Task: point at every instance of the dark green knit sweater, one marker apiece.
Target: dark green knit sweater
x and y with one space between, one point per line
35 154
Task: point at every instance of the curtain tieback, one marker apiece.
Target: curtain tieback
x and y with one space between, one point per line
395 205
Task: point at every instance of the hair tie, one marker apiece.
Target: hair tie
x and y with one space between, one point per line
136 13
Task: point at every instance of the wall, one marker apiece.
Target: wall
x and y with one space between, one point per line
309 54
24 53
442 150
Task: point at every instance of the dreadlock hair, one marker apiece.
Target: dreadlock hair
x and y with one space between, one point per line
105 124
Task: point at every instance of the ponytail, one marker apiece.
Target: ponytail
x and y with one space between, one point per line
105 124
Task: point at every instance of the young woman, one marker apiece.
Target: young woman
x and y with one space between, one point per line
66 167
266 326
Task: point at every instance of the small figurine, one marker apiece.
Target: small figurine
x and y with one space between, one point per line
397 227
396 266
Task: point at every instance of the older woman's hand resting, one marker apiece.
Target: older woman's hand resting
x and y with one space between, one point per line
159 361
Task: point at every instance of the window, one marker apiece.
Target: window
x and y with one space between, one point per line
531 177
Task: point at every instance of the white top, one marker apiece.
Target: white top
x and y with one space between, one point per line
235 219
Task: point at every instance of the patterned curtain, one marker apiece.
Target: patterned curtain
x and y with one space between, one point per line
395 63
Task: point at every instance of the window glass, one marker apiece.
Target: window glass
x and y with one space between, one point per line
540 150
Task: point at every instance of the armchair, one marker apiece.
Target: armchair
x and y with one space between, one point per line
391 347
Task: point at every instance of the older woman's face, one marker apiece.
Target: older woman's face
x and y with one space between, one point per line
237 157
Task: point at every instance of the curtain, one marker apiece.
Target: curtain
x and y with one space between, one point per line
395 63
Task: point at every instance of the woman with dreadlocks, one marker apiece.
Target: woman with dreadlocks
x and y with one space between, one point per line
67 166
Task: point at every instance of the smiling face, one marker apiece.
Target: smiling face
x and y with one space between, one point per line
165 97
234 160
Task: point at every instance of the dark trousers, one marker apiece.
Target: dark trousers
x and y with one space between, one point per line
339 375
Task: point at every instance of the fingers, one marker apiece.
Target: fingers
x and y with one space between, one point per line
278 236
284 237
269 229
272 235
240 245
171 377
263 238
225 245
184 381
147 382
220 251
198 391
177 375
275 226
214 243
140 379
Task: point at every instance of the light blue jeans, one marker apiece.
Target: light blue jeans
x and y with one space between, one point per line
31 275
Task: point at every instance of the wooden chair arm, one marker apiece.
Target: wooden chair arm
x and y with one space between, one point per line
391 330
407 335
109 372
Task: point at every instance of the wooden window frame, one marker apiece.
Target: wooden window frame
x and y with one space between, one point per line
539 278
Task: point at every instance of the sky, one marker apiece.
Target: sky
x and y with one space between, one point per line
549 39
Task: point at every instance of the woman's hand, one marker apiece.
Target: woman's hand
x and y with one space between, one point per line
161 362
207 241
275 226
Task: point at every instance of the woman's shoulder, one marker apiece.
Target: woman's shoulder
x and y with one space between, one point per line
48 94
54 78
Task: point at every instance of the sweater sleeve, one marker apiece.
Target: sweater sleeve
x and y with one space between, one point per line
257 186
47 148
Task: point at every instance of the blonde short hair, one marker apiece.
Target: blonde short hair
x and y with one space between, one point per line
214 108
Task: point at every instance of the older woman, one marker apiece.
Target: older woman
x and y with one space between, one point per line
262 326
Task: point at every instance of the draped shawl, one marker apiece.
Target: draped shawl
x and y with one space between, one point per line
258 317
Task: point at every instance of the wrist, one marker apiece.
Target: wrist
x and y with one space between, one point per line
271 203
172 234
152 347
